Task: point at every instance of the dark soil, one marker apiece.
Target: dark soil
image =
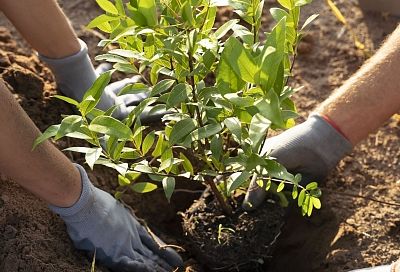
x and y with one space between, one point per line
347 233
242 241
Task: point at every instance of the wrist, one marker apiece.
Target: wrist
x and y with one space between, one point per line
78 211
334 125
331 145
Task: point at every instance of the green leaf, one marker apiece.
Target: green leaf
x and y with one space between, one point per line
187 165
270 109
309 21
130 154
240 101
276 170
289 4
162 87
143 187
295 192
112 58
281 186
169 186
310 205
135 88
93 95
178 95
239 59
159 146
67 99
206 131
216 146
297 178
187 13
228 77
272 56
148 142
238 179
79 149
123 181
132 176
127 68
120 6
110 126
316 202
148 9
181 129
167 163
137 111
299 3
142 168
99 20
69 124
120 168
258 130
234 126
312 186
138 133
278 14
49 132
243 33
107 6
261 183
301 198
128 54
92 156
224 29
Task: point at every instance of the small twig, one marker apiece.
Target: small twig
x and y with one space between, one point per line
173 246
361 197
189 191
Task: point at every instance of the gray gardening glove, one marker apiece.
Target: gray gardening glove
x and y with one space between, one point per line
382 268
99 223
75 75
312 149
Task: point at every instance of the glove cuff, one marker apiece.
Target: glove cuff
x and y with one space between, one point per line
74 74
78 211
335 145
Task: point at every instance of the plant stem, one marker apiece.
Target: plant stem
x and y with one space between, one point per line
210 182
225 206
191 81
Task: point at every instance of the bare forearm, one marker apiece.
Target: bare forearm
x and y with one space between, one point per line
44 25
370 96
45 171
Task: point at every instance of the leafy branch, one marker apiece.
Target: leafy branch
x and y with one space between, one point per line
221 91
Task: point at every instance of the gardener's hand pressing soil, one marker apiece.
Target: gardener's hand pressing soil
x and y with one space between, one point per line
75 74
312 148
395 267
98 223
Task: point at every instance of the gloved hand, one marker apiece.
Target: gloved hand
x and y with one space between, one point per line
98 222
384 268
75 75
312 149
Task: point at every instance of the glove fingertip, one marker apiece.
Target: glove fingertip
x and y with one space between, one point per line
103 67
173 258
253 199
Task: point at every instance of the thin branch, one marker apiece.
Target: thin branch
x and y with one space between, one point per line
361 197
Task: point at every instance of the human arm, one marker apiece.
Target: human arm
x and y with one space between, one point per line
91 215
356 109
46 28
